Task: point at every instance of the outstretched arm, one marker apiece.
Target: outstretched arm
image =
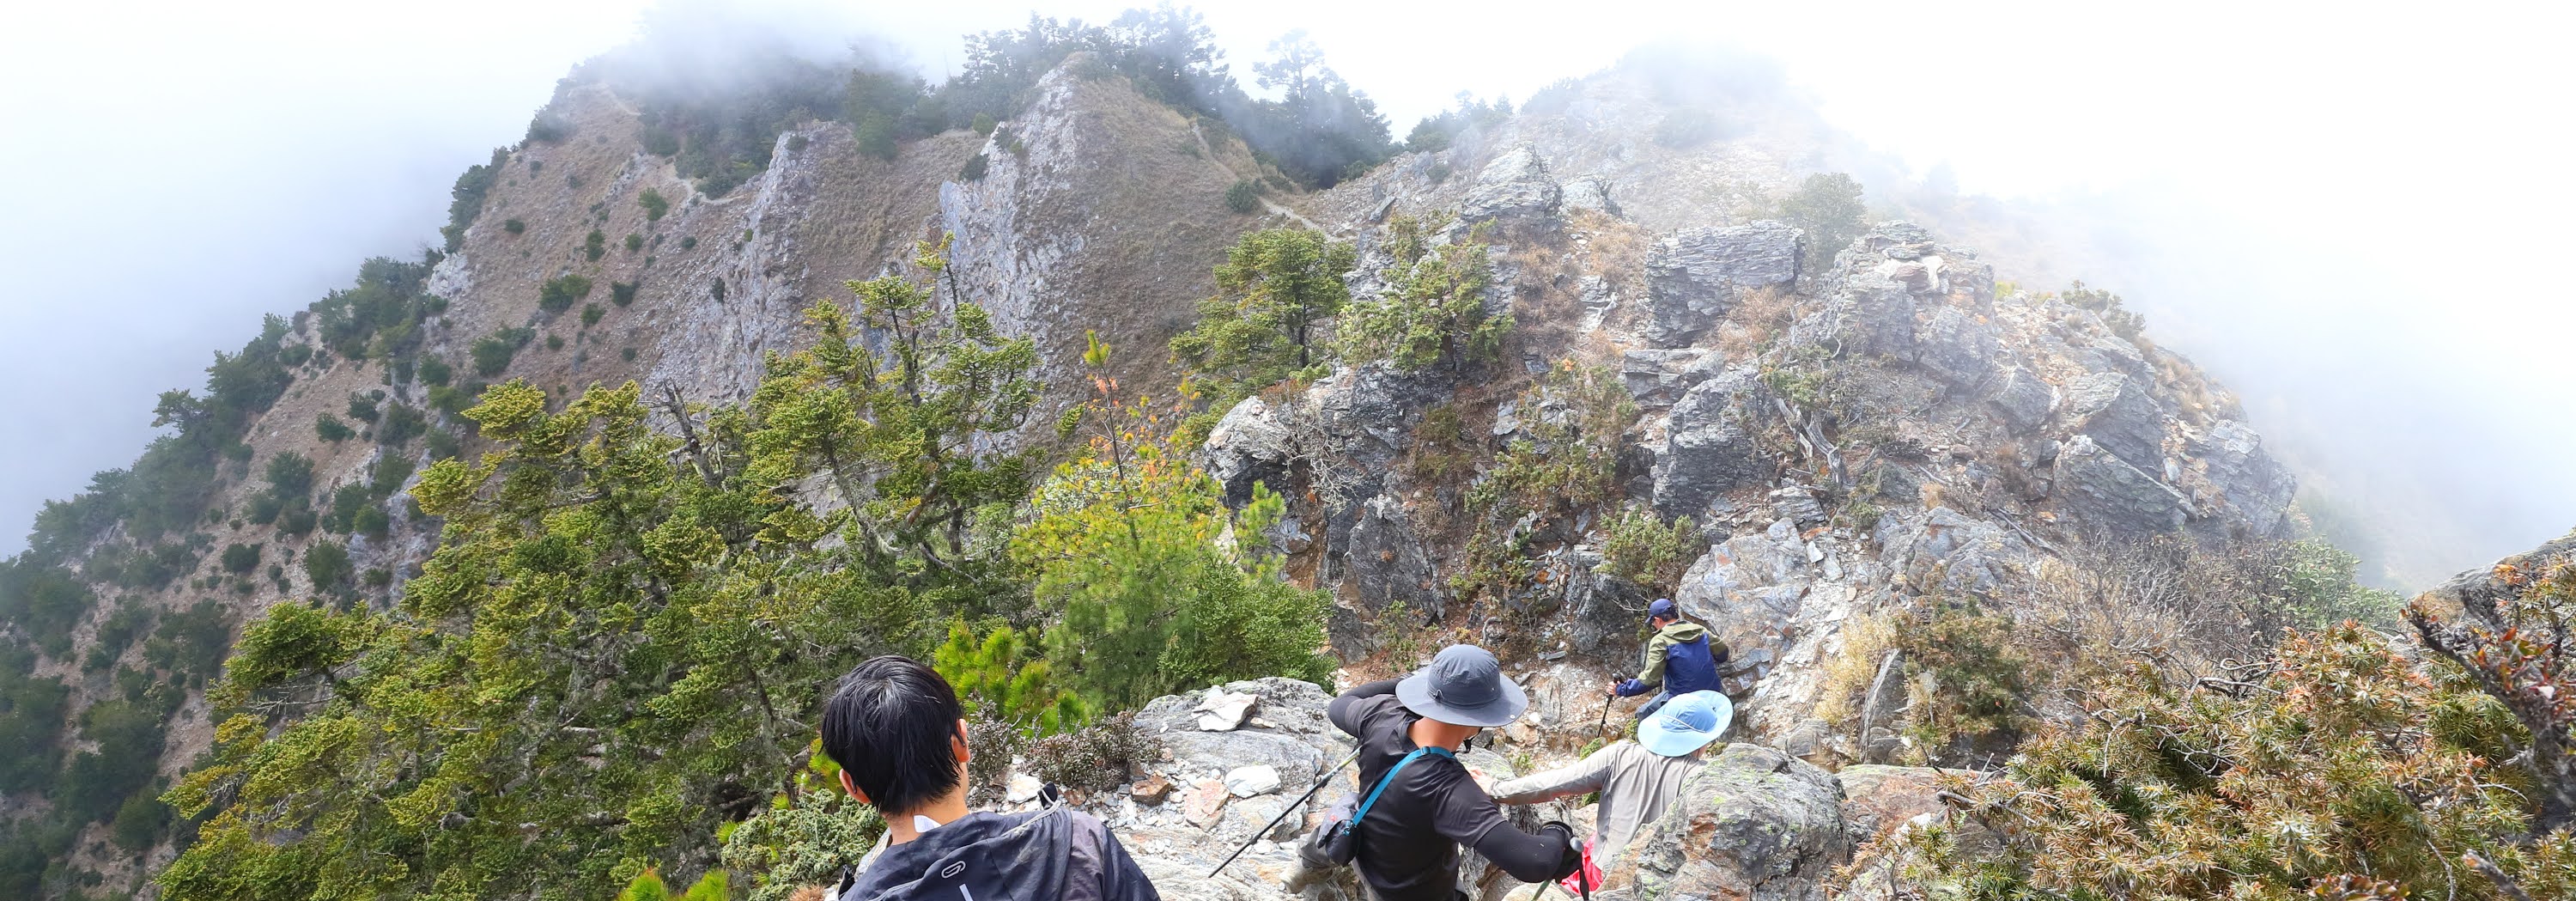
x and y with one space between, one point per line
1586 775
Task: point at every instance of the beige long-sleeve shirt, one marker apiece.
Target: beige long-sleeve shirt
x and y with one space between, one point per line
1635 785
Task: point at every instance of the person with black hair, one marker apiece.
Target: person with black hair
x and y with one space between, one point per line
899 734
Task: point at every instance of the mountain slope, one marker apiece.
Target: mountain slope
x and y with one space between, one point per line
1659 377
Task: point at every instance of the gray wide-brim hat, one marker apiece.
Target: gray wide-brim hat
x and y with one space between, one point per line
1463 686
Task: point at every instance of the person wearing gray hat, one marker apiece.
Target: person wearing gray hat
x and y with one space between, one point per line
1410 729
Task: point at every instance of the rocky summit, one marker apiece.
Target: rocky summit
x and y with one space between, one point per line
1149 413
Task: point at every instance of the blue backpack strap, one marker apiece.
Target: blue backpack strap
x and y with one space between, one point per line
1389 779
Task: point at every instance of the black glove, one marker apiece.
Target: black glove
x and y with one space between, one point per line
1572 847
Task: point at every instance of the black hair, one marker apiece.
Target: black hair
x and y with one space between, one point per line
890 725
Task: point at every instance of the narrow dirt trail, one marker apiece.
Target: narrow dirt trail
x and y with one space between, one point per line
1208 152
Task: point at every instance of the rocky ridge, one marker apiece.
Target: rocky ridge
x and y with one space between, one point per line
1855 438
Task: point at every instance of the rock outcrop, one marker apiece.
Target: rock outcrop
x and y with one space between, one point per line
1693 276
1754 824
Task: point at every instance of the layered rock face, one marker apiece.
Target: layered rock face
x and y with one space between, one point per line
1852 438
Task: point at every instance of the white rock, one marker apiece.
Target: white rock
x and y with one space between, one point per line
1023 788
1245 782
1224 710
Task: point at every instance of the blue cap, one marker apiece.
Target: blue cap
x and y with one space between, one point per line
1662 608
1686 723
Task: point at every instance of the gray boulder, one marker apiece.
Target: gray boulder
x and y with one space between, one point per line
1515 184
1709 448
1955 347
1251 444
1367 414
1945 551
2121 416
1695 275
1753 824
1387 562
2258 488
1866 312
2107 492
2024 399
1658 378
1589 192
1288 733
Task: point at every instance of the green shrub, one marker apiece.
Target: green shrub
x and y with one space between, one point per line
2129 326
492 353
590 314
1433 311
689 242
634 242
298 519
558 294
1243 197
974 170
654 205
621 293
982 124
548 127
1829 208
1979 682
241 558
626 354
1558 467
442 445
327 565
139 822
514 226
554 342
402 423
362 407
1641 548
1274 291
466 198
1094 758
594 245
330 428
2341 769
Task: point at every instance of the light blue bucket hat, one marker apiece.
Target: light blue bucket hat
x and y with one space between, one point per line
1686 723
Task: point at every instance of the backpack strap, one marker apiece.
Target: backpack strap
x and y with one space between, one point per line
1389 779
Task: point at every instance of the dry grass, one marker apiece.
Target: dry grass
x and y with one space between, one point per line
1844 689
1759 317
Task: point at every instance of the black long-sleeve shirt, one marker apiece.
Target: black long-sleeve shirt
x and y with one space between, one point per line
1408 843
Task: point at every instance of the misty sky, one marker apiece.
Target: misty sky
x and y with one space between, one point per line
2355 218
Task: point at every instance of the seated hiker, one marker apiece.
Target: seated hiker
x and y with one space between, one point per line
897 731
1682 658
1408 842
1636 779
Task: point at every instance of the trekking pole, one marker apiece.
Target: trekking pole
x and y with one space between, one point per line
1604 724
1283 814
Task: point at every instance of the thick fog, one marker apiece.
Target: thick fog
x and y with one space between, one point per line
2354 219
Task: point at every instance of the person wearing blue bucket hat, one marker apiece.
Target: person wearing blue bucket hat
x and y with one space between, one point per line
1637 779
1425 802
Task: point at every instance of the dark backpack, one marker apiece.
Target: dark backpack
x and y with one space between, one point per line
1338 841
